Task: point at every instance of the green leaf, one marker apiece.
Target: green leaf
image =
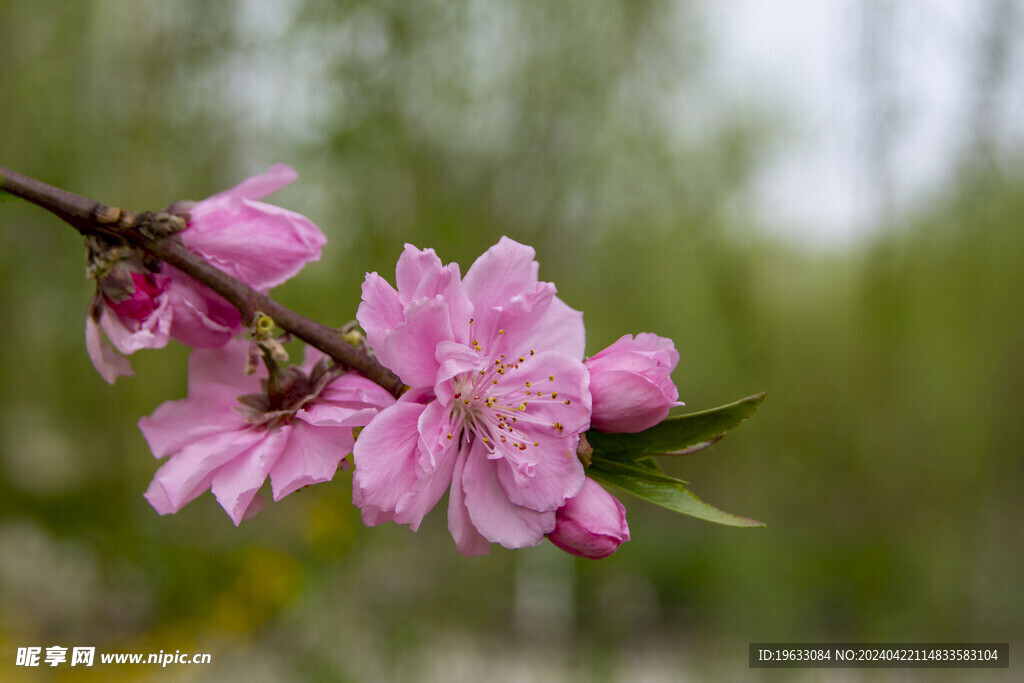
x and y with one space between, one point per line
663 490
644 468
680 435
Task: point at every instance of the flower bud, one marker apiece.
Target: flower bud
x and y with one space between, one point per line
140 304
631 383
592 524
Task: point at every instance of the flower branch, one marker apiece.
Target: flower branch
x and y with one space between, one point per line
496 402
148 231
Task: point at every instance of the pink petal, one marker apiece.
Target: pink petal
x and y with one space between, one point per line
259 186
626 402
201 318
493 514
548 373
560 329
468 540
175 424
454 359
237 481
223 366
107 362
157 497
353 391
380 311
260 244
427 491
129 336
554 475
409 350
190 472
415 268
312 455
501 272
385 457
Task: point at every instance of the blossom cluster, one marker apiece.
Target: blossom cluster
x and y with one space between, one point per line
498 391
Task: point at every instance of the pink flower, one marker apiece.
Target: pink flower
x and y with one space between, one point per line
229 435
260 244
590 524
631 383
499 397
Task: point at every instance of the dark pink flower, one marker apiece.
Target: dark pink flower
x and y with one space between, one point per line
499 397
590 524
229 435
260 244
631 383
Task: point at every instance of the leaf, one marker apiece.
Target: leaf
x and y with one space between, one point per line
665 491
644 468
679 435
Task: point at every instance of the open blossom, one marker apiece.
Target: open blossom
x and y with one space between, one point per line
631 383
230 434
259 244
591 524
499 397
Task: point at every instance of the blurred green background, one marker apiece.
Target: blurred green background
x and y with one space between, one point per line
886 461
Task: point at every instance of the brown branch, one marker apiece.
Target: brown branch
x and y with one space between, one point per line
91 217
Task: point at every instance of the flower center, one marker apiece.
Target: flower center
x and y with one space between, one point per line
499 406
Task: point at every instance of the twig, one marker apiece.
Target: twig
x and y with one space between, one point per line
89 217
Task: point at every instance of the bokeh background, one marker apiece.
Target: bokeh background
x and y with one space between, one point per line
823 201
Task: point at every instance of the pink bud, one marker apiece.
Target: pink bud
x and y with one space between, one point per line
631 383
141 303
592 524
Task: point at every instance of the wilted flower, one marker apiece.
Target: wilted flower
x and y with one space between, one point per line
259 244
234 430
590 524
499 397
631 383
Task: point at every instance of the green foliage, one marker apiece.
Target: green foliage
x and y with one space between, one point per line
679 435
624 460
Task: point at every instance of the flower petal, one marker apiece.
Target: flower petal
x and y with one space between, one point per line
436 461
312 455
237 481
409 350
260 244
501 272
107 362
259 186
129 336
416 270
223 366
380 311
493 514
190 472
175 424
626 402
385 456
201 318
468 540
542 478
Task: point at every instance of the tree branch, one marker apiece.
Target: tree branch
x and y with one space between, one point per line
88 217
